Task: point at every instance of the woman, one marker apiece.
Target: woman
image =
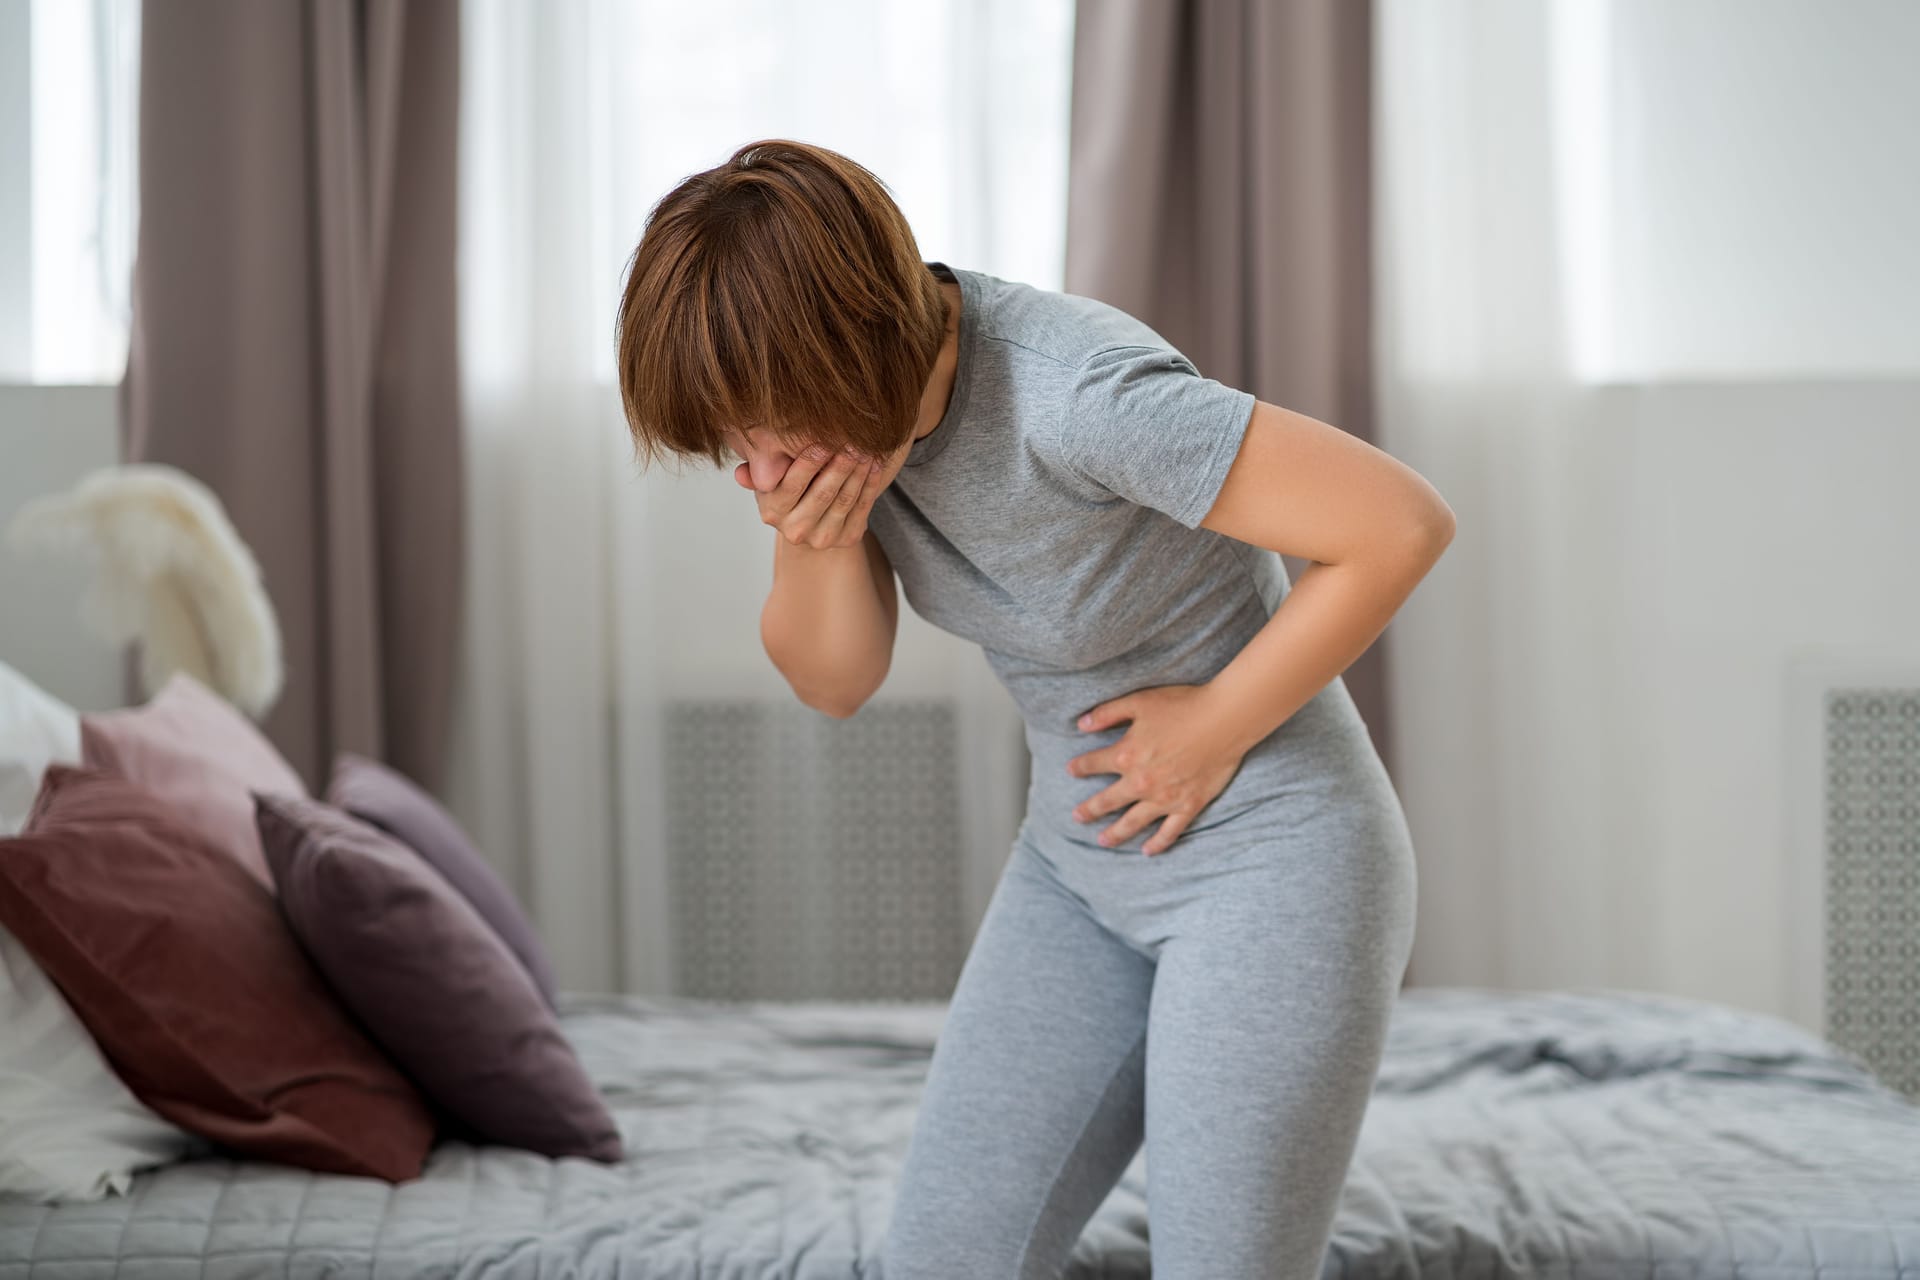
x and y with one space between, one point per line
1208 910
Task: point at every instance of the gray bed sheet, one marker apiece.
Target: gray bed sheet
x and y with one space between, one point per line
1583 1133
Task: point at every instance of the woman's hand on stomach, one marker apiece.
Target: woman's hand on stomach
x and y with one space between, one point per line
1172 761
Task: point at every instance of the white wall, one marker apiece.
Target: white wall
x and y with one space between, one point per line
1717 531
1763 187
1767 520
50 436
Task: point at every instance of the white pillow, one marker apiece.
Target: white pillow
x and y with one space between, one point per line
70 1129
36 729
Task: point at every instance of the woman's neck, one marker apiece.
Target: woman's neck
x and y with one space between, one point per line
933 402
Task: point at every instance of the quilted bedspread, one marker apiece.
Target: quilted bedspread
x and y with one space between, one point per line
1588 1133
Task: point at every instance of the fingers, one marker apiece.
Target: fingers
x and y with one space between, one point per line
1141 811
793 485
1105 802
823 508
821 502
1101 760
870 483
1169 832
828 531
855 526
1130 823
800 524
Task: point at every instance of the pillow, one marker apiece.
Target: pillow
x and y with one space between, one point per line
36 729
433 983
183 969
201 755
69 1129
374 793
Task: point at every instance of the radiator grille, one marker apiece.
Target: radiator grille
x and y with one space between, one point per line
814 858
1872 789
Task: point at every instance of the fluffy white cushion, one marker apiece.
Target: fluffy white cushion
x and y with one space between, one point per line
69 1127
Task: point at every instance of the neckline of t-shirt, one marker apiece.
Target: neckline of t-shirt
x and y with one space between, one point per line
930 446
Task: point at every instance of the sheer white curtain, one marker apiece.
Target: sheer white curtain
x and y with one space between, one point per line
1615 240
1505 646
596 592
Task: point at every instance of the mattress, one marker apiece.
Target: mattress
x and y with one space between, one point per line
1569 1133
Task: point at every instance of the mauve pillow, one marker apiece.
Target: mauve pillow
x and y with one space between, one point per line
374 793
183 969
203 756
432 982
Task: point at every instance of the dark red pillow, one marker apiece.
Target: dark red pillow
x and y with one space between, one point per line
183 969
431 982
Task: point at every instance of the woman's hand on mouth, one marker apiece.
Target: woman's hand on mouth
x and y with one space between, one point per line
823 499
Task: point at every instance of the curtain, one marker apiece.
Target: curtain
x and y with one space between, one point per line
1220 191
1525 777
612 613
1647 319
293 344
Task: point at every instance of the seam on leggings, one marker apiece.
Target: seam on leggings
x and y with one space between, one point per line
1058 882
1053 1183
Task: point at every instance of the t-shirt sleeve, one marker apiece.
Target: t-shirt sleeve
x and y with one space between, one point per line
1141 423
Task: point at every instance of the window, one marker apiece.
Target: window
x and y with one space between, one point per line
68 88
960 106
1737 186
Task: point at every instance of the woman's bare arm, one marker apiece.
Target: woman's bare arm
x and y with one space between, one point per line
830 620
1373 527
1311 490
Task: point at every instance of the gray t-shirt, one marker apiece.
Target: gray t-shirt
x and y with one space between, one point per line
1053 518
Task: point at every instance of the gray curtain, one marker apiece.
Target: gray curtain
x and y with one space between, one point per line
1219 190
293 341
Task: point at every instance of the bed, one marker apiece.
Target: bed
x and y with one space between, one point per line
1583 1133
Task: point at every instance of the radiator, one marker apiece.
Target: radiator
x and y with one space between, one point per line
1870 786
814 858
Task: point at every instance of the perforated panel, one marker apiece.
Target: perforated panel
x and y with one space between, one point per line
813 857
1873 879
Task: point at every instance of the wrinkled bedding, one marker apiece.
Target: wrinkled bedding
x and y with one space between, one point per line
1568 1134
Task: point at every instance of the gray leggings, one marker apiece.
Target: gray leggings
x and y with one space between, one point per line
1225 1002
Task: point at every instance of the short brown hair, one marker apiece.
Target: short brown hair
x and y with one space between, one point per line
781 289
